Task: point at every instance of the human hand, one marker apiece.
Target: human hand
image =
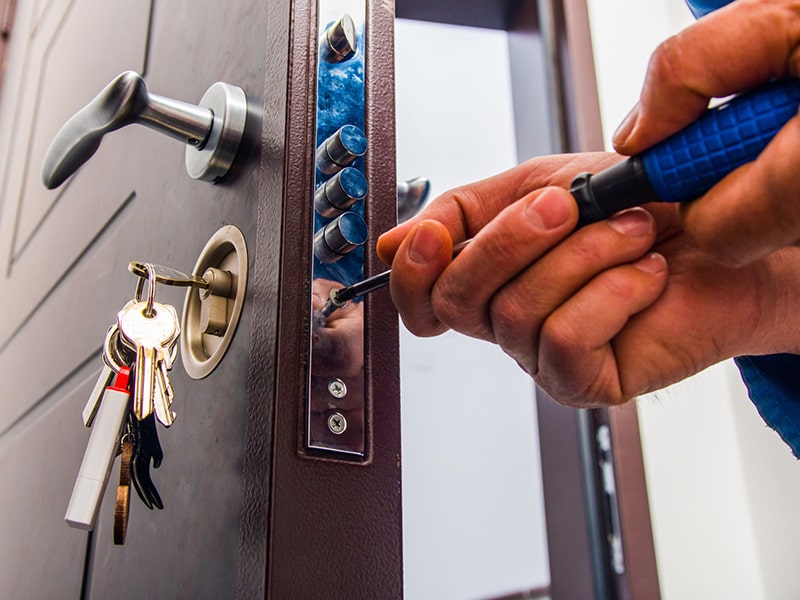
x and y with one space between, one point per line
595 317
754 210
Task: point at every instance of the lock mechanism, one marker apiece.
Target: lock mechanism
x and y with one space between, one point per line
336 418
211 313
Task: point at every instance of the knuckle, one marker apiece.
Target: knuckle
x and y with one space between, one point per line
450 304
473 213
666 62
507 312
515 327
423 328
458 312
580 392
591 249
561 338
618 284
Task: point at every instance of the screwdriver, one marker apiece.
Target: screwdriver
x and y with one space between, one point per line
339 297
686 165
681 168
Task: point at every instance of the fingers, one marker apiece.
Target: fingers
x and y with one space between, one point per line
420 259
515 239
466 210
577 361
731 50
519 310
432 293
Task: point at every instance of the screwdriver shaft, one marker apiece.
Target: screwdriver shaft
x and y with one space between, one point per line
338 298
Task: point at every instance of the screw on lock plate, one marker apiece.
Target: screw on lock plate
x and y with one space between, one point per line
337 423
337 388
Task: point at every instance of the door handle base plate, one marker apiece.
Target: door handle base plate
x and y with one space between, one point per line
228 103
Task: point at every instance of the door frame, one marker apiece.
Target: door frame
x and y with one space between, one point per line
576 505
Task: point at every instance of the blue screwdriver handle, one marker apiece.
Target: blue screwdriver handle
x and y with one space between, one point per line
686 165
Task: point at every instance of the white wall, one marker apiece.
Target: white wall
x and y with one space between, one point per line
723 487
473 513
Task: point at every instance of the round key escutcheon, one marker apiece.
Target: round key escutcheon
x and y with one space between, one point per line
210 316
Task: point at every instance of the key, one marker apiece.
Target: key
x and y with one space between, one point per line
114 359
166 386
152 337
167 275
118 352
99 455
162 396
163 385
93 404
115 354
122 506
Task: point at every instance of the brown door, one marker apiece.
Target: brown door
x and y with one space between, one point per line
247 511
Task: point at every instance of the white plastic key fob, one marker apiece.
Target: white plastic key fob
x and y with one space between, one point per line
100 454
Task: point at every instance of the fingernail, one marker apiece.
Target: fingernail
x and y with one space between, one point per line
380 249
425 245
634 222
549 210
652 263
625 128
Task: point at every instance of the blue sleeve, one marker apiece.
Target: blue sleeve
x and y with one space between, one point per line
773 384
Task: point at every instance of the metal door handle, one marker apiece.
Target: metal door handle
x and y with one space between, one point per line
212 130
411 197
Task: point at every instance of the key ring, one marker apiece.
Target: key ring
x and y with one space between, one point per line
149 312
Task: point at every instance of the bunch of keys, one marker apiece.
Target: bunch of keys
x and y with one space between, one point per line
140 349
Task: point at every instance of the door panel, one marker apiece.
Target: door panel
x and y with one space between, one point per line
57 83
66 255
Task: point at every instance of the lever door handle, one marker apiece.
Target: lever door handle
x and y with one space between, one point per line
411 197
211 130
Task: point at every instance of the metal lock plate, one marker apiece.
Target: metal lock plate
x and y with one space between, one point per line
210 315
335 404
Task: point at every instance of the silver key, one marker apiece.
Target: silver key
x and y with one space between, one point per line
114 358
163 373
161 398
119 351
152 338
163 386
116 354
